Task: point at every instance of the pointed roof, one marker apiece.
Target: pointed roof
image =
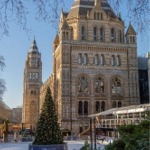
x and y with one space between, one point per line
81 7
34 47
130 30
56 41
65 25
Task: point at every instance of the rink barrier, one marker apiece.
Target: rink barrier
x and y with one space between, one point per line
48 147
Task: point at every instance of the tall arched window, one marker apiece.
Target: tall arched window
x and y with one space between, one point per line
95 15
113 35
103 106
80 58
116 86
114 104
96 59
80 106
82 33
85 59
99 85
101 16
119 104
98 16
120 36
94 33
118 62
102 59
113 60
85 108
101 34
97 106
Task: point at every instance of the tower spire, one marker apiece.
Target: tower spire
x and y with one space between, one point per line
34 47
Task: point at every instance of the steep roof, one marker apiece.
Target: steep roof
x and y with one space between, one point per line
33 47
81 7
56 41
130 30
65 25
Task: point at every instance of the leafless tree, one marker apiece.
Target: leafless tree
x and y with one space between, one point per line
2 82
138 12
49 10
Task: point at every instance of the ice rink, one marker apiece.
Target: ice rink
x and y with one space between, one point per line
72 145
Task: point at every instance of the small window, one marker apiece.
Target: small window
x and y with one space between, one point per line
85 108
85 59
101 34
95 33
119 104
82 33
101 16
112 35
103 106
96 59
80 58
133 39
113 60
118 61
114 104
94 15
67 35
102 59
80 106
63 34
97 106
98 16
120 36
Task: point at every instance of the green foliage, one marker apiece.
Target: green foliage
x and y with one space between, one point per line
86 146
132 137
48 130
116 145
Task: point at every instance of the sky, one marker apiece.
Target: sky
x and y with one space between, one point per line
14 49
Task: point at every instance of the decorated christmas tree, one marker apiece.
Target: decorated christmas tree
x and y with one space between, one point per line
48 130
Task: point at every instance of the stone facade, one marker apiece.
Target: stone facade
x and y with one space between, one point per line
48 83
32 85
95 64
95 67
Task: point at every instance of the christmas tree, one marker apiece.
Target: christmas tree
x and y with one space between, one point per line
48 130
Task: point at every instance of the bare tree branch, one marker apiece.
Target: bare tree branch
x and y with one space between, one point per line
49 11
138 12
2 64
2 82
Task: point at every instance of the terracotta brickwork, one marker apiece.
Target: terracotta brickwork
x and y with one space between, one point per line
94 68
95 64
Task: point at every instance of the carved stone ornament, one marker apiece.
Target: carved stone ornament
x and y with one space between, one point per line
82 84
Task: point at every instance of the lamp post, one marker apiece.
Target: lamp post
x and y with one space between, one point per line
91 136
95 134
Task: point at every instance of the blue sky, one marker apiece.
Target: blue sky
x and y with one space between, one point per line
14 48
